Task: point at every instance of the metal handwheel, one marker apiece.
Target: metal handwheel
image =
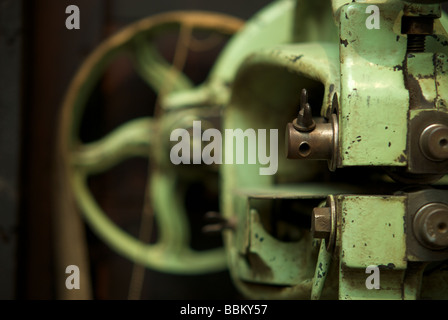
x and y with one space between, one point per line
137 138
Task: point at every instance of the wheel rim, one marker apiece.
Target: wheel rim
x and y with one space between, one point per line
134 139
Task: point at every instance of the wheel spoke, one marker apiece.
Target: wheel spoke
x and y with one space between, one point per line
162 256
170 213
155 70
133 139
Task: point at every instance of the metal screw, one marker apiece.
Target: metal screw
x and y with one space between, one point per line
431 225
417 28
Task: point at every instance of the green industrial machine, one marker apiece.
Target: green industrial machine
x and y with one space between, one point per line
357 206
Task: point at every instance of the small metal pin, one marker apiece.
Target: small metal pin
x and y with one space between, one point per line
216 223
304 121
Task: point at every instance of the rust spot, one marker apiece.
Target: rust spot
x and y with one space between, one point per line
434 36
295 58
426 76
389 266
401 158
344 42
416 98
258 266
320 271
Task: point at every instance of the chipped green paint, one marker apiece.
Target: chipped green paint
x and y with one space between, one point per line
371 232
421 79
272 261
372 131
441 80
283 270
321 272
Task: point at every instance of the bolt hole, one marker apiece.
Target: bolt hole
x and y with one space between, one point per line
443 142
304 149
442 227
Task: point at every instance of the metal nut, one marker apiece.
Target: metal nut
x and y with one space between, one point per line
321 223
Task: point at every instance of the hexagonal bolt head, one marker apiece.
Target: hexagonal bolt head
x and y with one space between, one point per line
431 226
321 223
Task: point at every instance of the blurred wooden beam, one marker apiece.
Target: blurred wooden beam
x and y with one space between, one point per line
11 21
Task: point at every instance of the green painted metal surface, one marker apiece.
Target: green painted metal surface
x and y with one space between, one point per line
374 100
321 271
263 266
371 233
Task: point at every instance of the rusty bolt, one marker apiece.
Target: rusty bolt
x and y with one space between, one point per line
321 223
431 225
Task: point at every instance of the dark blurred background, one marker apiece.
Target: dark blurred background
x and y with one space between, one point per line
38 58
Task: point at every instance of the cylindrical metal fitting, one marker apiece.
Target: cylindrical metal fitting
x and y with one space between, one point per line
314 145
431 226
434 142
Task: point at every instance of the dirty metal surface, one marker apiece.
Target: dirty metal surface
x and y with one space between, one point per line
371 131
264 266
371 233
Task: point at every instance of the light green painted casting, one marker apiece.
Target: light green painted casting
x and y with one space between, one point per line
372 131
371 233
